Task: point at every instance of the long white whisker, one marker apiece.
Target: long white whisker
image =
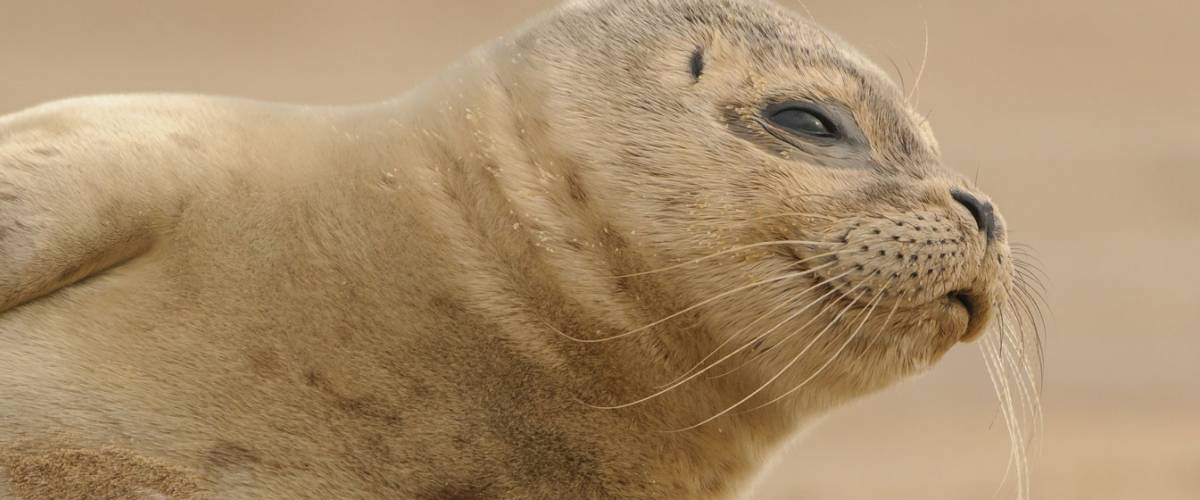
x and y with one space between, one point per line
794 214
786 303
875 303
796 331
750 246
998 370
773 378
761 336
739 249
695 306
1027 383
985 348
921 72
997 382
715 363
1011 359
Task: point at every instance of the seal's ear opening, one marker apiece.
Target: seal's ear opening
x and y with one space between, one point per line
697 63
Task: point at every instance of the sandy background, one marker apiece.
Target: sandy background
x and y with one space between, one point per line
1080 117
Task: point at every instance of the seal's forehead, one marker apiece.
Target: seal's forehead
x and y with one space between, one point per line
784 48
750 21
770 34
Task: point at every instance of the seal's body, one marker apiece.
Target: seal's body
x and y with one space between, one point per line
624 253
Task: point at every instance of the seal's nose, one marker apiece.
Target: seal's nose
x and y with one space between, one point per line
984 214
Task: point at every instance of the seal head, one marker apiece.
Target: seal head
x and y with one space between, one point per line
739 147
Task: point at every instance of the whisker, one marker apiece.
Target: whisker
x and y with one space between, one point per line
1031 306
695 306
758 338
1017 364
873 304
694 375
1030 270
773 378
791 214
1022 311
1038 350
1003 364
888 320
899 72
1025 248
1032 286
921 72
1023 316
1011 329
1033 267
999 381
739 249
786 303
796 331
806 11
1021 321
1028 390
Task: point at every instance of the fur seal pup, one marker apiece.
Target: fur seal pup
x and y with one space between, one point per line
624 253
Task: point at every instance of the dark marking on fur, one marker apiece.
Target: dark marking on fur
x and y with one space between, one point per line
46 151
622 285
612 239
263 362
368 407
546 452
575 188
696 64
312 378
227 454
446 306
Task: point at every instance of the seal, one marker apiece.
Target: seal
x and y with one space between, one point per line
625 252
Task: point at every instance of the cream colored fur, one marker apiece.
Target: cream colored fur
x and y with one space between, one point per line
216 298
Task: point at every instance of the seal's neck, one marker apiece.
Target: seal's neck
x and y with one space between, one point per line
543 259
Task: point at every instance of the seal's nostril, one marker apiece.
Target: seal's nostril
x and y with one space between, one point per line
985 218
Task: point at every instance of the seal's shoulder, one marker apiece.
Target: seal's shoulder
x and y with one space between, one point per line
133 124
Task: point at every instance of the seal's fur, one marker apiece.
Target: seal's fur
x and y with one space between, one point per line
454 294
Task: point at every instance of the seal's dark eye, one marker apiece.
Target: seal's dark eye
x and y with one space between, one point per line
804 121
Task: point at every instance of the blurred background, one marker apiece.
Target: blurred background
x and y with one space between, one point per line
1081 118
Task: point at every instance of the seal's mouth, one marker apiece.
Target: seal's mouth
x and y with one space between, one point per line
965 299
975 307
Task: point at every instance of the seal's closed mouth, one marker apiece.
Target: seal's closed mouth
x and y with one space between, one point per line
965 299
977 307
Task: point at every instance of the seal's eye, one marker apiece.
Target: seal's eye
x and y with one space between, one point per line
804 121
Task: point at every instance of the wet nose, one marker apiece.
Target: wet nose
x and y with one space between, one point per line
985 216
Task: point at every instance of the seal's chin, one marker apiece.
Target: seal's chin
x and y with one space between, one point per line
969 309
963 299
